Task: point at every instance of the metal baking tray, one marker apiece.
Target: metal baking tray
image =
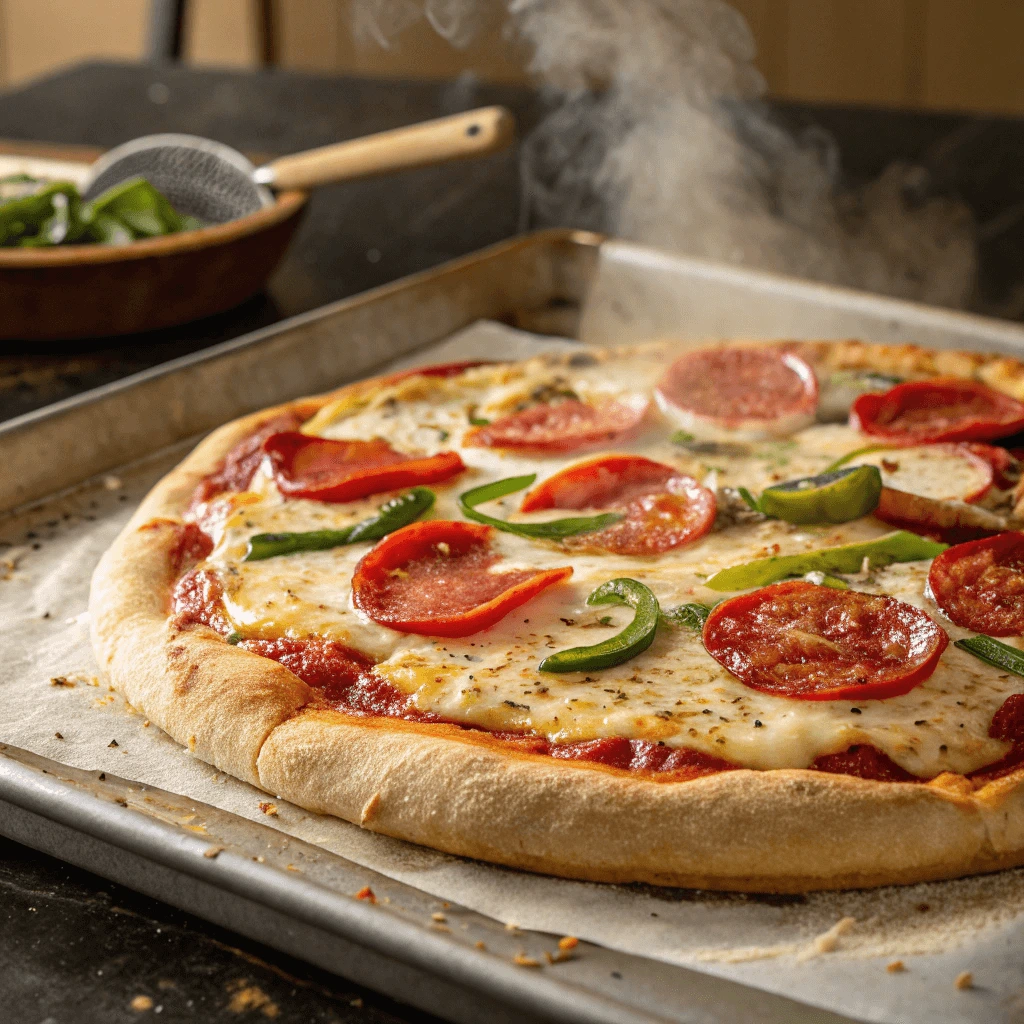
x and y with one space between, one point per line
240 874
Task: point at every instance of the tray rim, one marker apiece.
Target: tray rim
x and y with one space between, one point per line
576 240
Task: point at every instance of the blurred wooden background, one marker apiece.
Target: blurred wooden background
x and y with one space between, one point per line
934 54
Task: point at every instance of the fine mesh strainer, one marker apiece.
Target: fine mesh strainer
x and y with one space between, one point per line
215 183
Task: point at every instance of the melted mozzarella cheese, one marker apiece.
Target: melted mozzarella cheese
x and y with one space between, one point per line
939 471
674 693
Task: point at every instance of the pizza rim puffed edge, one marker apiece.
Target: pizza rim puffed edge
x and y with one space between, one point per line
462 792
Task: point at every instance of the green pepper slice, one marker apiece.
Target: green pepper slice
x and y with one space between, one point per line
692 616
633 640
868 449
393 515
1009 659
899 546
836 497
553 530
825 579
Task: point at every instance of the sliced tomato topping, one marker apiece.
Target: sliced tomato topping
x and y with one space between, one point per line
326 470
662 508
865 762
759 391
240 464
944 409
796 639
564 426
438 578
980 585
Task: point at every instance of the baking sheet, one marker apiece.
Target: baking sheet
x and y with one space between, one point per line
789 945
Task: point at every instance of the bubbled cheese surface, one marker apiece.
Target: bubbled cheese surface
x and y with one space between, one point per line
674 693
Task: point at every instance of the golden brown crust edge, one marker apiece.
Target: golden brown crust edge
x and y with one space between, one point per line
775 831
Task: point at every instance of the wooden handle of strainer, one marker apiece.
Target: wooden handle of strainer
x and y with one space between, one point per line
433 142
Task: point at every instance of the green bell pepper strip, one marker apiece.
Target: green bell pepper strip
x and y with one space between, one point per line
825 579
555 529
393 515
1001 655
633 640
692 616
836 497
868 449
899 546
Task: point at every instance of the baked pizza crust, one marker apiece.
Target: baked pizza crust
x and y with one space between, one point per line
466 793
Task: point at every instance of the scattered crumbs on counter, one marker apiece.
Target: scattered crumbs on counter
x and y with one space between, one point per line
62 681
112 483
268 808
140 1004
113 743
246 997
896 967
438 916
213 851
567 942
58 736
367 894
964 980
480 944
522 960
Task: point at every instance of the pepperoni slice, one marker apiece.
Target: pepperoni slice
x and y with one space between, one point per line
438 370
944 409
662 507
799 640
438 578
240 464
1004 464
326 470
980 585
565 426
754 393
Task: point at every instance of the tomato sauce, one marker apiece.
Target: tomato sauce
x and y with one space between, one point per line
345 681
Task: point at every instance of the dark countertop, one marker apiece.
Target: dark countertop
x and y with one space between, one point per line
74 948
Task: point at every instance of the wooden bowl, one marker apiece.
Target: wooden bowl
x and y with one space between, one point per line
88 291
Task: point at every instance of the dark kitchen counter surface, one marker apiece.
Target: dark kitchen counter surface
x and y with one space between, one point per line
75 949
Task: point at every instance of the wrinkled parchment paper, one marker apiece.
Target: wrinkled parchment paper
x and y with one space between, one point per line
833 950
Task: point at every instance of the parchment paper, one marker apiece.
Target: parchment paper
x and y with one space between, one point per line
937 930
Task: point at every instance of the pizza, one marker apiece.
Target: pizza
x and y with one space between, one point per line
737 616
